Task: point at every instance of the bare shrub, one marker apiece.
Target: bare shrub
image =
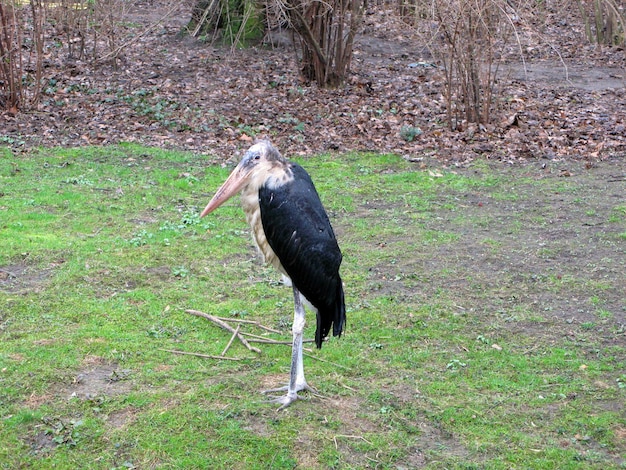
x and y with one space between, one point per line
413 12
473 34
98 30
70 19
326 31
605 21
21 54
107 19
95 30
90 29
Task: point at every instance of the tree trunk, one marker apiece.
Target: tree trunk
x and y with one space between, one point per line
326 30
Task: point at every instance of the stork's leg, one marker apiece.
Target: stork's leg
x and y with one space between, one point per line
297 381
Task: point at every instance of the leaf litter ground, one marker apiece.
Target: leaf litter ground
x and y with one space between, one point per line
176 92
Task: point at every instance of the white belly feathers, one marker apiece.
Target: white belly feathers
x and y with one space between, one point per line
250 202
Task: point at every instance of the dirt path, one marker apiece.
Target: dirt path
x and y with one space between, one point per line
559 75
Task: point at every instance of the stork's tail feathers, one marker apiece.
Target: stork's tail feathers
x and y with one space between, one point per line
334 316
339 319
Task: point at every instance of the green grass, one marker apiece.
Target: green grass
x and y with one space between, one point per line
485 319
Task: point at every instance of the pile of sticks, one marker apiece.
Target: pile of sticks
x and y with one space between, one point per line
236 333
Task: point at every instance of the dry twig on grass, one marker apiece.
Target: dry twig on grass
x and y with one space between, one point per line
208 356
225 326
346 436
232 338
250 322
236 333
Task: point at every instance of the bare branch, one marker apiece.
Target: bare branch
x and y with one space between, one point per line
235 334
207 356
225 326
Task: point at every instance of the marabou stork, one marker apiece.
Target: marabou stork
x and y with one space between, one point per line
292 231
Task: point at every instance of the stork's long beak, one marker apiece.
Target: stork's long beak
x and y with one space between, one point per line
233 184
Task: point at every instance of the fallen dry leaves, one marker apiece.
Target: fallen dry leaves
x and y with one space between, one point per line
174 92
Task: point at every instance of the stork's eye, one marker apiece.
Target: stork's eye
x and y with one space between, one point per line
257 157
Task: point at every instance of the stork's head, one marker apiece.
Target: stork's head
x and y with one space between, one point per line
258 164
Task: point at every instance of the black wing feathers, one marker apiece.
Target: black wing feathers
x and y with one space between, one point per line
298 230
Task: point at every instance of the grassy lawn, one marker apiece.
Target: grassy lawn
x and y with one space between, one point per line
486 317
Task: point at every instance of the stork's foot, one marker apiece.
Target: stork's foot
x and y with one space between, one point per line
291 396
298 388
285 400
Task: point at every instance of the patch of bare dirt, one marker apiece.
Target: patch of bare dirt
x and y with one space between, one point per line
170 91
546 260
22 277
121 418
581 77
34 401
97 378
41 443
349 421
